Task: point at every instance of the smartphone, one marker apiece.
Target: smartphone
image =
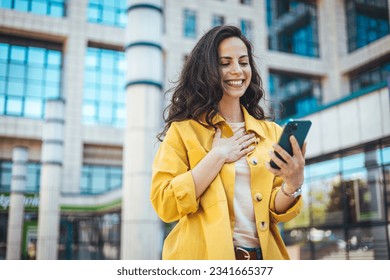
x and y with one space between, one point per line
299 129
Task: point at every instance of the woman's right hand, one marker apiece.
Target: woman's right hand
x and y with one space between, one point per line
235 147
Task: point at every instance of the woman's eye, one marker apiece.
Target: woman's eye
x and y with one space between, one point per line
224 64
244 63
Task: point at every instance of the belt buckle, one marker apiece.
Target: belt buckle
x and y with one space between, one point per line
247 256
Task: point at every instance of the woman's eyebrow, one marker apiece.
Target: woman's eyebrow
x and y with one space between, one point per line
228 57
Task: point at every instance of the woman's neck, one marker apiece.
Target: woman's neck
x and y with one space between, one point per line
231 111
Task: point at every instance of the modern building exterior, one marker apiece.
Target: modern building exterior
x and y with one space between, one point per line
82 96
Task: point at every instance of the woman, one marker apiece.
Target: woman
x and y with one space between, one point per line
211 172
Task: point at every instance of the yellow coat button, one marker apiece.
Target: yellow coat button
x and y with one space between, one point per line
254 161
263 226
258 197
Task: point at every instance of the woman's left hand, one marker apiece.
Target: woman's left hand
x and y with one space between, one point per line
292 170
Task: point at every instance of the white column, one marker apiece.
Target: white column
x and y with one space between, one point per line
73 90
50 184
141 236
16 206
333 46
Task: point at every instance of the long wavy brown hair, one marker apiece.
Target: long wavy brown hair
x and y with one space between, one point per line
199 89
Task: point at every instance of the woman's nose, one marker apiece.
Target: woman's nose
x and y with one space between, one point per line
236 68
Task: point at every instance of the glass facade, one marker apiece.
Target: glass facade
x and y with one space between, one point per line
367 21
217 20
189 25
293 94
98 179
104 87
370 77
344 214
292 27
247 28
112 12
54 8
90 237
29 74
32 180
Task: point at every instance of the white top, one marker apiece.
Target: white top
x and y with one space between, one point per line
245 233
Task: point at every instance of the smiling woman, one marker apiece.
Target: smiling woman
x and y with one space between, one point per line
211 171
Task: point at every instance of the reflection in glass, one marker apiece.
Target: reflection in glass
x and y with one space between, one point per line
326 200
386 180
297 242
329 244
90 237
364 195
368 244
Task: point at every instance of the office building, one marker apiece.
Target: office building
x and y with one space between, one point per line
81 100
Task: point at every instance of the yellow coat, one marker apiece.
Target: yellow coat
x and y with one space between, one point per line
205 227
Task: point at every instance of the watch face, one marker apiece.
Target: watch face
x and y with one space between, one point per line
297 193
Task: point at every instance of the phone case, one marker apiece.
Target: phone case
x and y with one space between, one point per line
299 129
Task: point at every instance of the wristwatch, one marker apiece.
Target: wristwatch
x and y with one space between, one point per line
295 194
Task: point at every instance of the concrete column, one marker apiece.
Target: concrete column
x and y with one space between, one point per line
73 91
16 206
333 46
51 181
141 236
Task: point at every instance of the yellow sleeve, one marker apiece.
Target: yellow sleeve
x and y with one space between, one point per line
291 213
172 188
295 209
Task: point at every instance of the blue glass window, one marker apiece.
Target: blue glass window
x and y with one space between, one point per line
32 178
189 23
28 76
104 87
54 8
370 77
293 94
246 28
367 21
99 179
292 27
110 12
218 20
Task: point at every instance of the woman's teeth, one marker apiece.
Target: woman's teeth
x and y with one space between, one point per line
234 83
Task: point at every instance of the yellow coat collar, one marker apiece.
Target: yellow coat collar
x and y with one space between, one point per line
251 124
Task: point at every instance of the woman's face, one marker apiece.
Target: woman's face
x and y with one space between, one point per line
234 66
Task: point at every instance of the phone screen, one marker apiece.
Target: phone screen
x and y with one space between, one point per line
299 129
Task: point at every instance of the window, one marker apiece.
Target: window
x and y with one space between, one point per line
346 206
246 2
218 20
55 8
32 180
246 28
189 24
104 87
367 21
373 76
295 94
93 237
292 27
29 74
107 12
99 179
